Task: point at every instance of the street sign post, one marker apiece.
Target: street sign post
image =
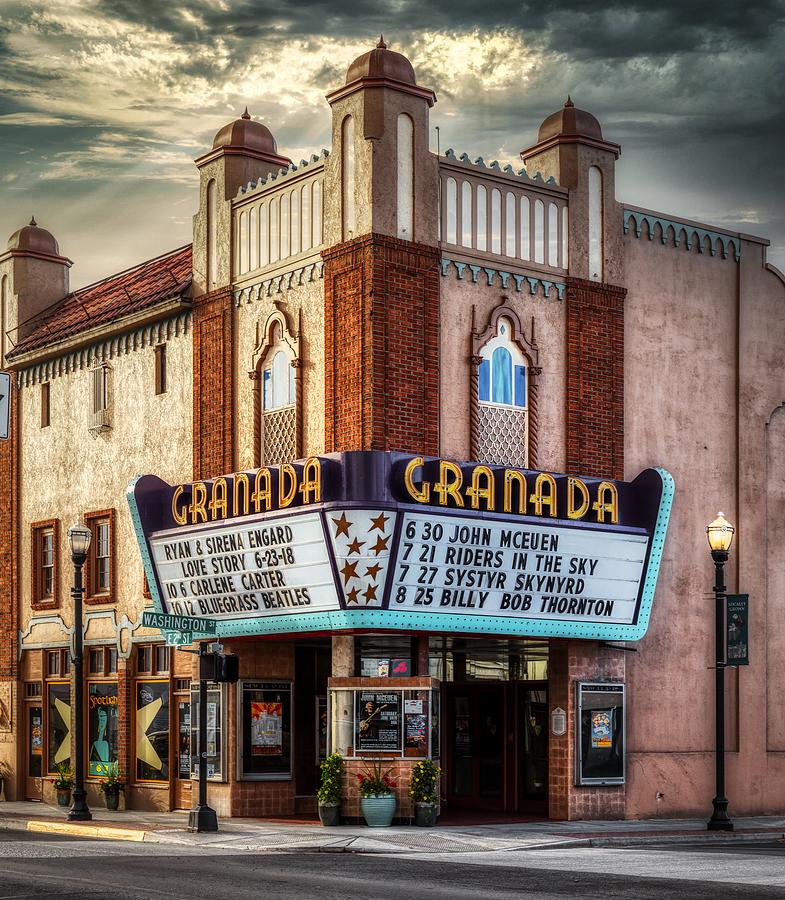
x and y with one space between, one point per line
179 638
167 622
5 405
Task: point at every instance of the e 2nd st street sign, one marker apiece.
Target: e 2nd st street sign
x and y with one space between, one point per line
167 622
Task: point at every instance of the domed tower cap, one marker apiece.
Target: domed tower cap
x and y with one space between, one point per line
34 240
245 137
570 125
382 67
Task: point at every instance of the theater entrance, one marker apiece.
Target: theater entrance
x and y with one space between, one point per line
496 747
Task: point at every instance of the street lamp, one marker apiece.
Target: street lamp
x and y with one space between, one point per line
720 534
79 540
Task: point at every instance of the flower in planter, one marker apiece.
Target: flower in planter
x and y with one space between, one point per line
424 780
113 781
330 786
64 779
374 780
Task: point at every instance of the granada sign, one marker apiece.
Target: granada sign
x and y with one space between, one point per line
401 542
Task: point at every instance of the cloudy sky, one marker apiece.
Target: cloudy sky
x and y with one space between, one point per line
105 103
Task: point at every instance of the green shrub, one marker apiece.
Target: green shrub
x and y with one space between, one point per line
425 778
330 787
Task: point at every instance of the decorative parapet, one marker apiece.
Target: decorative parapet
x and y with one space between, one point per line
278 284
507 280
87 357
692 234
494 166
283 173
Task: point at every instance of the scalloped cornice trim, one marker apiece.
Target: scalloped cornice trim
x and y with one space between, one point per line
279 283
471 273
85 357
692 233
282 173
479 163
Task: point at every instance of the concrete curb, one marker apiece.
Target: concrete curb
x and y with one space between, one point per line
106 832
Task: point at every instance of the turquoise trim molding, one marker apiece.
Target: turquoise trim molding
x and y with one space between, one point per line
691 233
470 272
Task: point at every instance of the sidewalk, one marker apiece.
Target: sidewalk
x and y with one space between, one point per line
259 835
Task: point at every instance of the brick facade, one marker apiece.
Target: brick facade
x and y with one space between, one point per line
9 545
381 345
595 379
213 392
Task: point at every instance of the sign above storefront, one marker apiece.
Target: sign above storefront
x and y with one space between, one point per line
401 542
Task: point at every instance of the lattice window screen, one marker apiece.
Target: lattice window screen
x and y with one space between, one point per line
503 435
279 436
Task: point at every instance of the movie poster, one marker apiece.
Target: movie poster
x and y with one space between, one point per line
601 729
102 727
266 728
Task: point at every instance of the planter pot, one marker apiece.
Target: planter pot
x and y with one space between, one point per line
63 796
112 799
330 814
378 810
425 815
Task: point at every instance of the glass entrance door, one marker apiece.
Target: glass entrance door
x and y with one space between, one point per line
182 787
532 744
476 759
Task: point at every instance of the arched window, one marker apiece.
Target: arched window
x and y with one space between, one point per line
553 235
405 177
452 211
242 240
347 158
595 224
539 231
277 393
525 237
316 214
496 221
4 318
264 235
253 228
482 218
275 246
501 433
565 247
294 205
305 197
466 214
285 226
509 225
212 269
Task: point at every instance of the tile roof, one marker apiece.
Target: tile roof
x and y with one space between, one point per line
141 287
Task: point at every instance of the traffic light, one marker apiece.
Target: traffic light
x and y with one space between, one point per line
219 667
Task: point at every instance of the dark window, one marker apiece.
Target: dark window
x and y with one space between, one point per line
160 369
144 659
96 661
161 659
53 662
111 660
58 719
45 414
152 731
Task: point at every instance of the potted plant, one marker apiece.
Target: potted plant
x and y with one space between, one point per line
424 792
111 785
329 793
377 795
64 781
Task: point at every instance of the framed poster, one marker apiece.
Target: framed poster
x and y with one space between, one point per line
322 729
215 731
152 730
265 711
377 721
600 756
58 725
101 727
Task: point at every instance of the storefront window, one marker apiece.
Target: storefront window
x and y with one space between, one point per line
214 732
266 727
384 656
58 742
152 730
35 741
102 727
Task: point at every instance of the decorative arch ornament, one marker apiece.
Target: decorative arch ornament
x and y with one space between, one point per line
527 345
278 329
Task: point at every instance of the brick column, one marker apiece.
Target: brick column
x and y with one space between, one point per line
595 378
9 544
569 662
213 435
381 299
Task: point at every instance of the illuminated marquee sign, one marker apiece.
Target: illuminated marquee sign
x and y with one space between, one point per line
388 540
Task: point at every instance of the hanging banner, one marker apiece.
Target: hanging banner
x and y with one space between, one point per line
737 625
401 542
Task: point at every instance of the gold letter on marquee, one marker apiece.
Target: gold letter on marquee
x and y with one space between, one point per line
286 495
179 514
611 505
262 493
198 500
424 494
445 488
487 492
573 511
217 504
312 480
240 478
511 477
539 499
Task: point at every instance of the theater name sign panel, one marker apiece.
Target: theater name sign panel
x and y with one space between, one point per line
394 541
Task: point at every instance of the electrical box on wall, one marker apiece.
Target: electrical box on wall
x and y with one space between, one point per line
600 733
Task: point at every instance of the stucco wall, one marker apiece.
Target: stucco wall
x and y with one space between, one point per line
68 471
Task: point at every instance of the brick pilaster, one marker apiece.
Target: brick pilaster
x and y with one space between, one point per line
595 378
213 441
381 300
9 543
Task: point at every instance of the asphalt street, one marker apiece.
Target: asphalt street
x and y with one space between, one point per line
41 866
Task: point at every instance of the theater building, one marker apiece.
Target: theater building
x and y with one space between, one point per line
434 442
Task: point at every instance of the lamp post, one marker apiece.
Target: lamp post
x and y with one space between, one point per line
720 533
79 540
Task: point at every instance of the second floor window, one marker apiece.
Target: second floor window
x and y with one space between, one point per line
99 573
44 552
101 411
278 383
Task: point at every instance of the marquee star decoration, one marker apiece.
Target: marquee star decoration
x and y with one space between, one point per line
361 541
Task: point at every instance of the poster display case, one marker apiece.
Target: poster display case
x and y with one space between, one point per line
600 733
216 706
265 728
